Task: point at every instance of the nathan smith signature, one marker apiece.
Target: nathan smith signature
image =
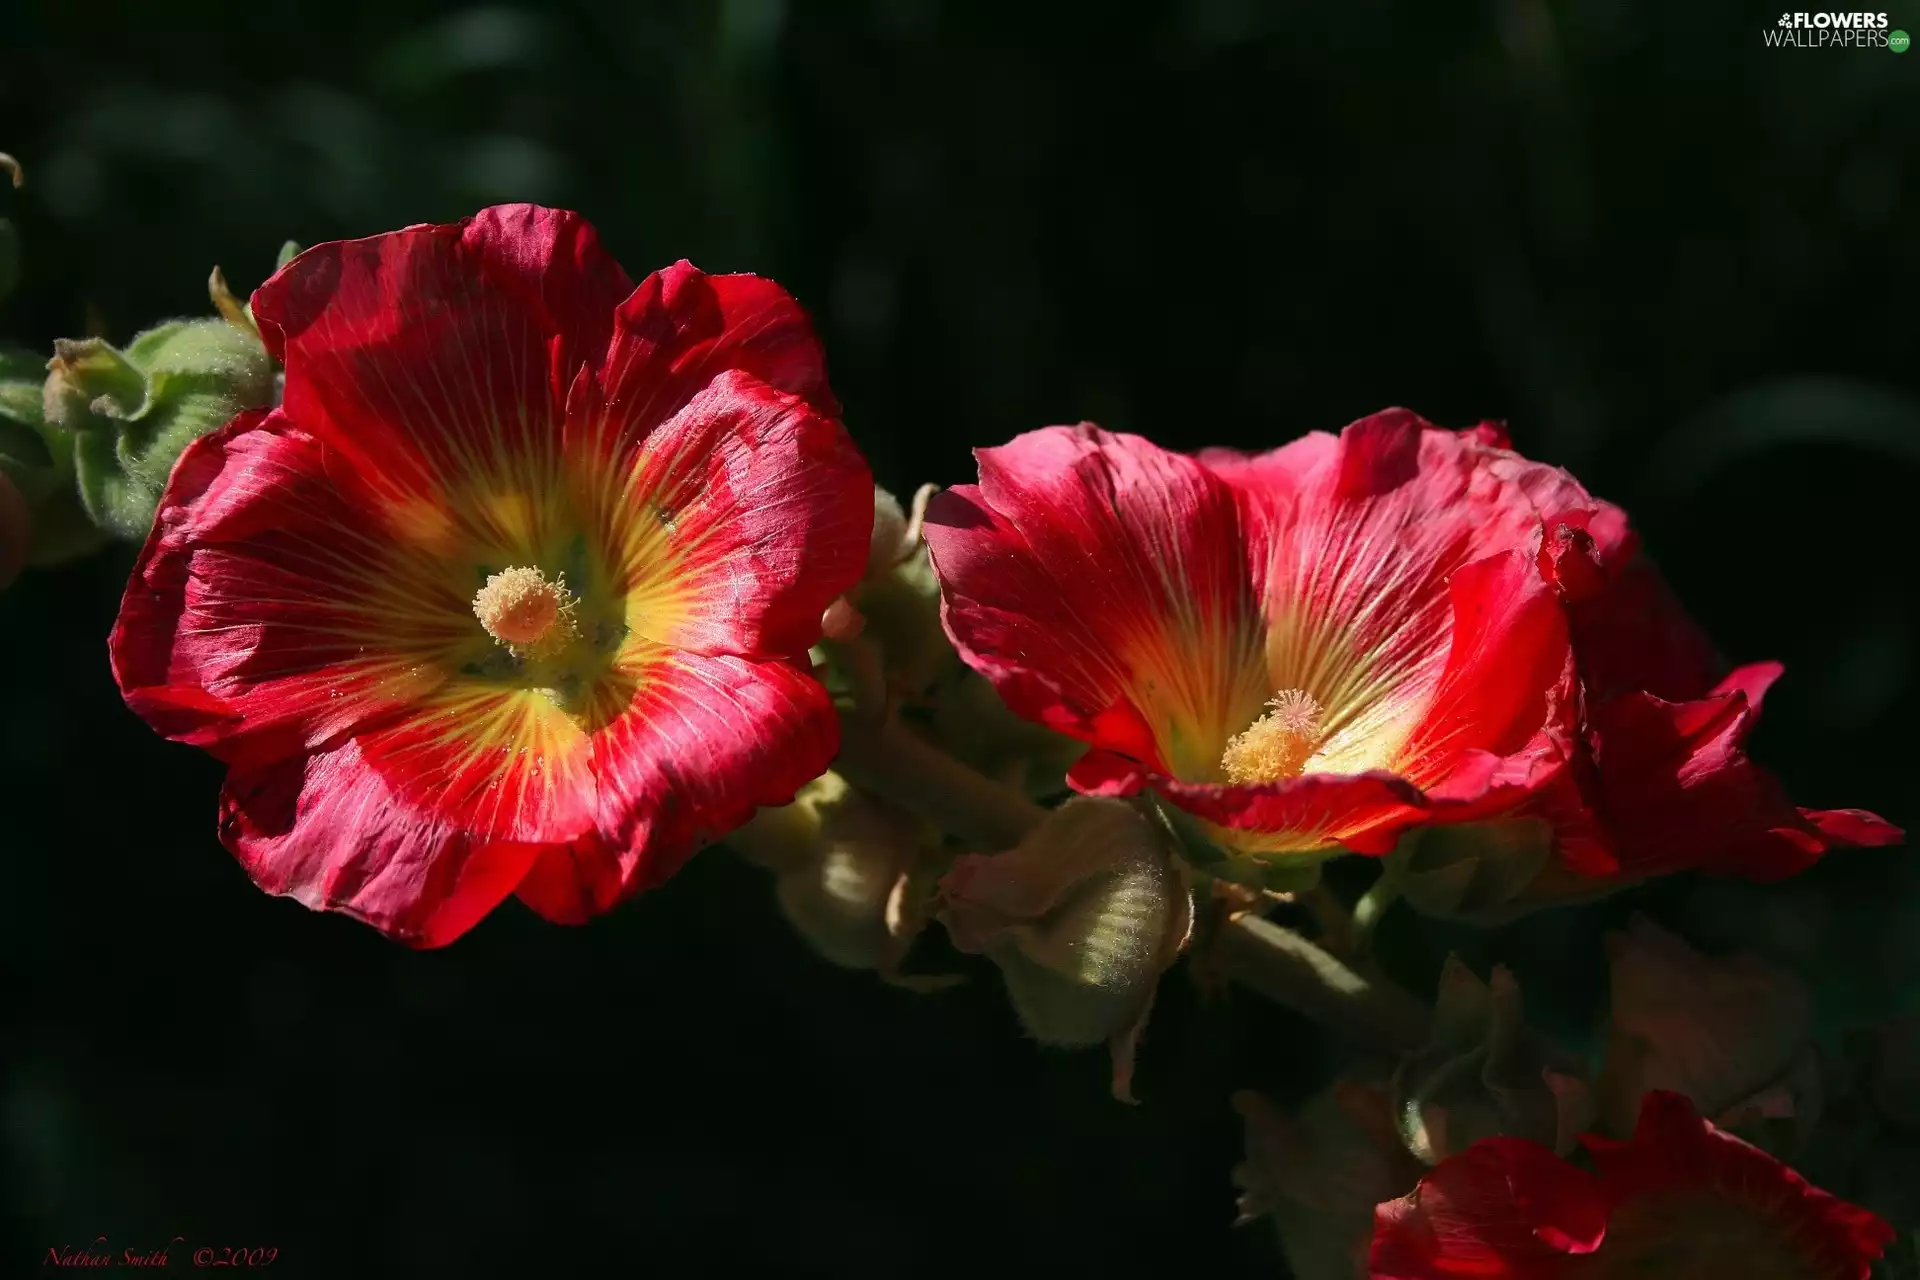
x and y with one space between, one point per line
99 1253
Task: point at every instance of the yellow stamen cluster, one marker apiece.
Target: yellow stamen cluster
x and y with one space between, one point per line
1277 745
526 613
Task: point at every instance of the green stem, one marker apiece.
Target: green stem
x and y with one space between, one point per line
1287 969
884 757
1373 904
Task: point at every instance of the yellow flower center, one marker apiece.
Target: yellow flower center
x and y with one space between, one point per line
526 613
1277 745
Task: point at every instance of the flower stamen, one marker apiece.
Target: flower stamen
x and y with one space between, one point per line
1277 745
523 611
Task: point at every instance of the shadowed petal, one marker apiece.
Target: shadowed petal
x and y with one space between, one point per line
329 831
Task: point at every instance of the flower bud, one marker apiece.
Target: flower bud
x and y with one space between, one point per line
900 599
1732 1033
131 412
1486 873
1484 1073
888 545
850 875
46 525
1082 917
1319 1174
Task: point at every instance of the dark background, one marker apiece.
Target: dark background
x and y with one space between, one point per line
1678 262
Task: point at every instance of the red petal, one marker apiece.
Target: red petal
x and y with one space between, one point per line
1353 550
500 763
330 832
682 328
429 356
1853 828
705 741
1632 636
1677 790
1378 454
1509 670
1101 584
1676 1161
739 520
1504 1209
1491 433
266 610
1363 812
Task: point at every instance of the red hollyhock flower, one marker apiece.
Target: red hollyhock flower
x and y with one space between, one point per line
513 592
1311 649
1681 1199
1328 644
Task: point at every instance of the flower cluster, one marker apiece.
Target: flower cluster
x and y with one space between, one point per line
518 579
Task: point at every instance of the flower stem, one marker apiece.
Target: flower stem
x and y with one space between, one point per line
1367 912
1287 969
884 757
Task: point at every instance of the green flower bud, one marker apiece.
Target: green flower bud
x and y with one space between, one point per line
131 413
900 598
850 874
37 460
1082 917
1484 1073
1319 1174
1487 873
1731 1032
888 544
